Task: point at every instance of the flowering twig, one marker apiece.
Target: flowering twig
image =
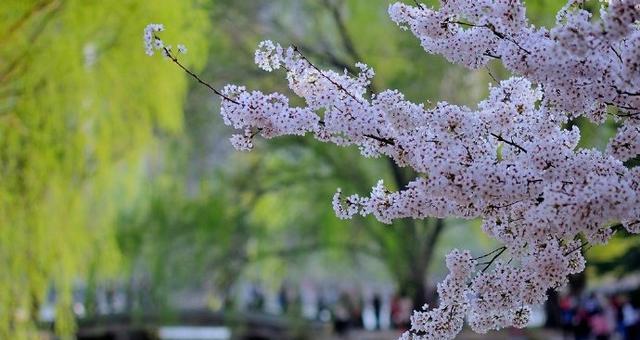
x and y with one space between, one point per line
297 50
489 253
512 143
492 28
175 60
581 246
493 259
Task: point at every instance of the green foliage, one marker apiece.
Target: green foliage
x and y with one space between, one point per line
81 112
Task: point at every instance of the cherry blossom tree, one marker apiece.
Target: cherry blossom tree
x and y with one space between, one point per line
512 161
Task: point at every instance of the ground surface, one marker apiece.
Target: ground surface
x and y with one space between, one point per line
467 335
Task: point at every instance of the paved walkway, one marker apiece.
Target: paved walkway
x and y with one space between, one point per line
467 335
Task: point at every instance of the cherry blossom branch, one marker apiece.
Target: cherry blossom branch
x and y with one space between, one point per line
626 93
175 60
548 197
492 28
512 143
617 54
491 74
586 243
493 259
581 246
418 4
388 141
489 253
297 50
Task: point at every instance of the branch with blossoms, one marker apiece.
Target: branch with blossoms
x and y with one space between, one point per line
575 50
510 161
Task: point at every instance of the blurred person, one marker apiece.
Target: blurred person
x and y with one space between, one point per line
355 311
394 310
617 302
401 308
599 324
610 314
324 312
377 309
581 327
567 307
406 309
630 321
283 298
256 300
591 303
341 315
296 303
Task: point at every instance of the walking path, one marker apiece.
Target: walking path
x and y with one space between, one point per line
467 335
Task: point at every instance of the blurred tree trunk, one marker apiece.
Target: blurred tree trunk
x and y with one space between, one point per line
420 238
415 281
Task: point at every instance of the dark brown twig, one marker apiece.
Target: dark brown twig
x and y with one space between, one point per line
495 32
493 259
512 143
489 253
297 50
175 60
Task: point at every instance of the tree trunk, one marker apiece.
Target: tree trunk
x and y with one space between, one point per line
419 288
413 282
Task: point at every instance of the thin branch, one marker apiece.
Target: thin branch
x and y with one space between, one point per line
624 107
512 143
495 32
297 50
418 4
493 259
585 243
489 253
490 55
175 60
629 114
616 53
36 9
347 42
491 74
329 57
388 141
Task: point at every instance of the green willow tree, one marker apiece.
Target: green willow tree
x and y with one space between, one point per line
83 117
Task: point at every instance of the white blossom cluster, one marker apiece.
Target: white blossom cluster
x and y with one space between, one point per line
512 161
153 43
565 59
447 320
584 65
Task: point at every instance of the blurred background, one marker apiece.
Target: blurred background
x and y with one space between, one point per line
125 213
